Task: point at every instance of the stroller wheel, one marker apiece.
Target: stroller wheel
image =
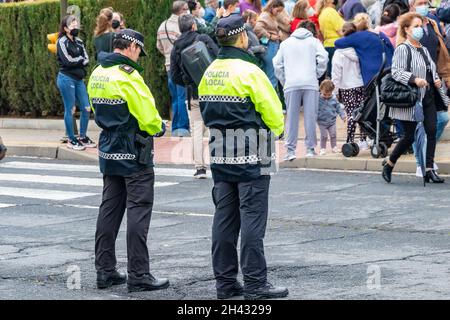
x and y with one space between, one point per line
375 151
355 149
384 149
348 150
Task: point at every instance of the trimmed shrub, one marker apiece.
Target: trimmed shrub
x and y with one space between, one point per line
28 69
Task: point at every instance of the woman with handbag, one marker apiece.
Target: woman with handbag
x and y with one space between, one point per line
412 65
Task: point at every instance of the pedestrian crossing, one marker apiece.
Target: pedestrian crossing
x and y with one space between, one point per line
57 181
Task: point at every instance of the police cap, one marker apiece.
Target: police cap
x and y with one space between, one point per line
233 24
133 36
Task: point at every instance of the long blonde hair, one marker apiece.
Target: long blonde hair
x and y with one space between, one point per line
104 20
321 4
299 11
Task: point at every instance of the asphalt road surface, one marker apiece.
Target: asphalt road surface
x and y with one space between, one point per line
330 235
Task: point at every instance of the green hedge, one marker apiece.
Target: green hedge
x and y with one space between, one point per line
28 71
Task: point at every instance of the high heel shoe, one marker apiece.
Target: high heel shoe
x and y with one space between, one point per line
387 171
432 176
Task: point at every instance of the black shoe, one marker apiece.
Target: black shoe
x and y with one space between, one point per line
432 176
266 292
387 171
147 283
234 291
108 279
200 174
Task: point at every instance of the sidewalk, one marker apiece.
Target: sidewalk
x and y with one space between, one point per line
172 150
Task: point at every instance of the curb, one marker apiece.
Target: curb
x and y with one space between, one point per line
353 164
404 166
61 153
41 124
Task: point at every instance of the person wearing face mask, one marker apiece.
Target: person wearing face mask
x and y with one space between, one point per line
238 101
268 32
73 60
125 110
434 42
117 23
198 12
413 65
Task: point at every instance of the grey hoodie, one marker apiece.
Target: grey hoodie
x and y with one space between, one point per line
301 60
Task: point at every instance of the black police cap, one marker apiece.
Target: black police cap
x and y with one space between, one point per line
233 24
133 36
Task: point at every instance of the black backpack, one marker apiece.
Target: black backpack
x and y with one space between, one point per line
195 59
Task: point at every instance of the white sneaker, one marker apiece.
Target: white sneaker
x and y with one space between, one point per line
311 153
75 145
363 145
323 152
336 150
290 156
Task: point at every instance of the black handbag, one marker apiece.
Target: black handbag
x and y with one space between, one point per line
395 94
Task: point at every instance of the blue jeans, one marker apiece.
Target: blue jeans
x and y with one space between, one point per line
74 91
272 49
442 120
178 97
331 51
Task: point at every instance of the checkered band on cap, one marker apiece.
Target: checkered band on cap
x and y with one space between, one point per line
236 31
132 39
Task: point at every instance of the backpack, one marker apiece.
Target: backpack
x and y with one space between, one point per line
195 59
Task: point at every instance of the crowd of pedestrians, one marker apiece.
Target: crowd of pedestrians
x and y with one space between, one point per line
320 56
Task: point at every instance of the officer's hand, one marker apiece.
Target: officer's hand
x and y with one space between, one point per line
281 136
162 132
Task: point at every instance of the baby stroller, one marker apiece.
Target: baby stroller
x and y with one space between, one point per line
373 120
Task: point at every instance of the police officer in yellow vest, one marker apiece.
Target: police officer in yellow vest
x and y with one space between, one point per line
244 114
125 109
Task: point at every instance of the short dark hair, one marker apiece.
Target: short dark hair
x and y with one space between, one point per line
229 3
121 44
308 25
224 40
186 22
192 4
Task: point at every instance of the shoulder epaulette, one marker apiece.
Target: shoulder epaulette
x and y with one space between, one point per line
126 68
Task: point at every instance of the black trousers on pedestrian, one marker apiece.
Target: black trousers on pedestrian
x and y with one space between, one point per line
240 206
409 127
134 193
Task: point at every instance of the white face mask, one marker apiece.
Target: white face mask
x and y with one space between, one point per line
201 13
310 12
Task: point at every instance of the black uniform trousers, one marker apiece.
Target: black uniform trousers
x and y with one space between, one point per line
240 206
134 193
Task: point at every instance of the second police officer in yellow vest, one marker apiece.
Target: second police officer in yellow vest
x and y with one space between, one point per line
125 110
243 112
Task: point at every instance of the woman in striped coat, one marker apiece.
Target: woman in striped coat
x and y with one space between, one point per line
422 74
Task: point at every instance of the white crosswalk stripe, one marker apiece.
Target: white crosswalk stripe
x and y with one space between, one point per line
67 177
45 194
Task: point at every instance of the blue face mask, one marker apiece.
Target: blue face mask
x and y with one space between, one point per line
423 10
237 10
417 33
